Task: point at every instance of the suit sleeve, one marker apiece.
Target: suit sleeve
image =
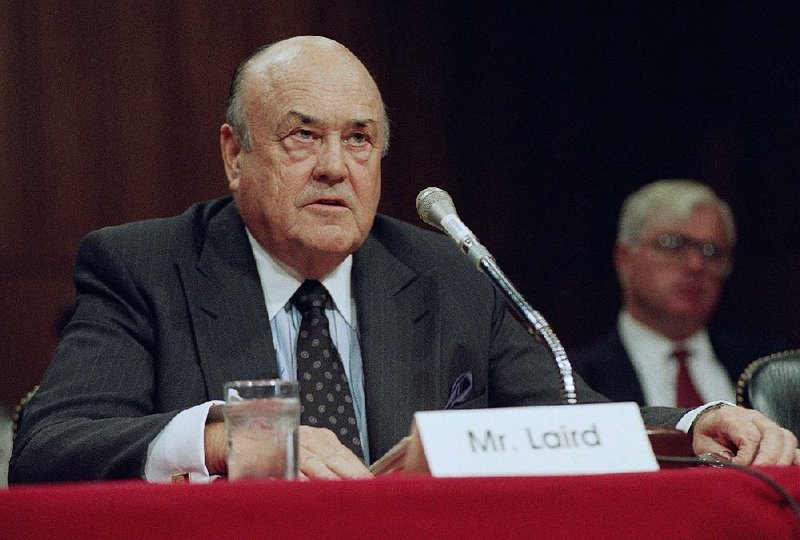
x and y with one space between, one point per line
94 414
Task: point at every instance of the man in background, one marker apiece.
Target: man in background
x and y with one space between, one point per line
672 256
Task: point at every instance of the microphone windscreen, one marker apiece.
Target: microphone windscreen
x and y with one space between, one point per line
433 204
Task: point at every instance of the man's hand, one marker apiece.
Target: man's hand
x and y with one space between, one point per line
215 445
323 457
745 436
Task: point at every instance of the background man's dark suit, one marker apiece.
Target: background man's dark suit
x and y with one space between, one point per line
607 368
170 309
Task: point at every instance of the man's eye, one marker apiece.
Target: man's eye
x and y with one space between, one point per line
357 138
671 241
305 134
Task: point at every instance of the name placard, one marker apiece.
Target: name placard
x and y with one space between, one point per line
536 441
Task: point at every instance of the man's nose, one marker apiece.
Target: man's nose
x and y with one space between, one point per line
694 259
330 166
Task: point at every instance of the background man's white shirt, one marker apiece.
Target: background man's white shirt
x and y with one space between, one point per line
657 370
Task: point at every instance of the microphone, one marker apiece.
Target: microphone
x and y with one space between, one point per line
435 207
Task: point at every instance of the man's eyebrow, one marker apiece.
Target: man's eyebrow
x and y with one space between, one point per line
305 119
308 120
362 123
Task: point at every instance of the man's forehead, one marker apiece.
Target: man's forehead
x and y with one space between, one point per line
316 98
660 221
314 78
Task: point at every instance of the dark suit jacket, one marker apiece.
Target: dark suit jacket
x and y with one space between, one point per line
168 310
607 368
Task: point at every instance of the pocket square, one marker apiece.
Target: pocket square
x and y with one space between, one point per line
460 390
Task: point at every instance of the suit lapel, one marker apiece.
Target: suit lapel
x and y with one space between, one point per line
623 375
399 347
226 306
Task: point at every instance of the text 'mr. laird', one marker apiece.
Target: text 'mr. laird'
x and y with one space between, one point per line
554 439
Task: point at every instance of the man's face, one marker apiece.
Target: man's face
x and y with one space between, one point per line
669 283
309 189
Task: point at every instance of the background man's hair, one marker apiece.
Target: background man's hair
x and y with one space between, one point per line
672 201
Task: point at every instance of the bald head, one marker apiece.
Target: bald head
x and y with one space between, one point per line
280 63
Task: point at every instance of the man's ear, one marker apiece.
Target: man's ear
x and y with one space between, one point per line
231 150
623 254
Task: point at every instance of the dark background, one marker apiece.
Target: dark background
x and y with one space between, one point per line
538 120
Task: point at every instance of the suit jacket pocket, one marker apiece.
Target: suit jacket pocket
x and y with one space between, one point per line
480 402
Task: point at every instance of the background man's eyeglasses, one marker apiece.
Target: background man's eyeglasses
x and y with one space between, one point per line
674 245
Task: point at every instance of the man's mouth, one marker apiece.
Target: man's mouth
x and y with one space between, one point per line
331 202
693 289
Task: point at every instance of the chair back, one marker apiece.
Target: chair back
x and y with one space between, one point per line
771 385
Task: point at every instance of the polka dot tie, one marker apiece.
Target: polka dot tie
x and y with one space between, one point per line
325 396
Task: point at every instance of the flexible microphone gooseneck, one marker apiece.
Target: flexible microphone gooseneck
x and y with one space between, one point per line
435 207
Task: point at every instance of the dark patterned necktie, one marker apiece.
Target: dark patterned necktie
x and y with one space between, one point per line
687 395
325 396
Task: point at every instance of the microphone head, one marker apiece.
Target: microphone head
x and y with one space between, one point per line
433 204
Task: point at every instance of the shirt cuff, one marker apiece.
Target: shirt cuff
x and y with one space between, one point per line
179 448
685 423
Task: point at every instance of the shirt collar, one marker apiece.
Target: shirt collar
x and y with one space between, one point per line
651 344
279 282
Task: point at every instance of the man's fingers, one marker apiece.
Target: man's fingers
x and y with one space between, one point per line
322 456
707 445
347 465
729 430
776 446
312 467
313 445
789 450
756 439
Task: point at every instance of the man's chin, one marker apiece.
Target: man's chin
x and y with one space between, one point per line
693 316
334 243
